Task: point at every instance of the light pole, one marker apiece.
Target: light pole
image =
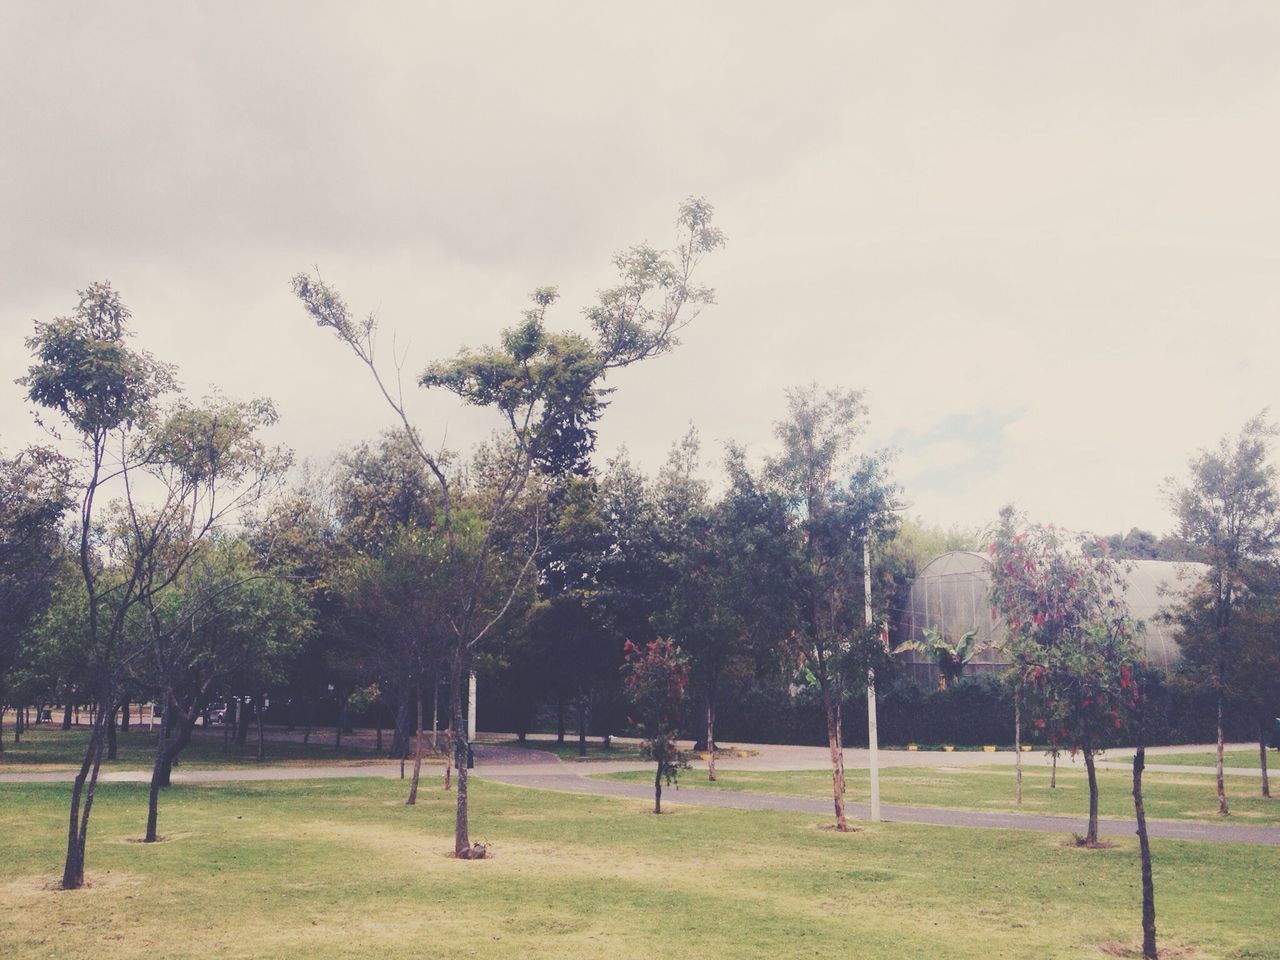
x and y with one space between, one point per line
873 735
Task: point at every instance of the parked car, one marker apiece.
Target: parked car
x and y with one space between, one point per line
216 713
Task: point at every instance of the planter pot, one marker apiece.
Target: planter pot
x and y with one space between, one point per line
948 747
989 748
1026 748
913 746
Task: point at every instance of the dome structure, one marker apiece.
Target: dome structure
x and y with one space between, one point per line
952 595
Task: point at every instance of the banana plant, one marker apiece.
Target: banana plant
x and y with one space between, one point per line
951 657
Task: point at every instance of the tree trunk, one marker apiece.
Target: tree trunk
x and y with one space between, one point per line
377 714
1144 847
262 749
15 729
448 766
403 732
417 755
339 724
1053 773
582 726
837 761
159 778
306 734
435 714
711 740
839 709
81 805
1017 746
113 747
1222 786
461 833
1262 757
124 717
657 789
173 741
242 723
1091 834
66 714
560 721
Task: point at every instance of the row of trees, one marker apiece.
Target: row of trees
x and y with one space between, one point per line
189 573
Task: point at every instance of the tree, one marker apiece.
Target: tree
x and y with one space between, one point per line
402 593
33 501
379 492
1229 511
1070 640
221 617
730 574
837 518
656 679
549 391
1243 662
205 461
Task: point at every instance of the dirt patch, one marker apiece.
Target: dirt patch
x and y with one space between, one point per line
1114 948
39 884
1083 844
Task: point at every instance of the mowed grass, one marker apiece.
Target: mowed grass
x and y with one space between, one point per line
48 747
1239 759
1166 796
326 868
569 749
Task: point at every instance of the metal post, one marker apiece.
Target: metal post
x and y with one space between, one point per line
873 735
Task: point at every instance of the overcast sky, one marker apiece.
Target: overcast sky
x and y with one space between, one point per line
1043 238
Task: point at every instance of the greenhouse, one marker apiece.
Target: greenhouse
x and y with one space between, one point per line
951 597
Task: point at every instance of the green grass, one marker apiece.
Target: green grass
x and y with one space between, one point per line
328 869
569 749
48 747
1167 796
1243 759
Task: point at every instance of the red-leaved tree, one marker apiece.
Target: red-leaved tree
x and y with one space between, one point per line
656 681
1071 641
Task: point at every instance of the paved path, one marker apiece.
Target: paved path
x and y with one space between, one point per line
572 778
542 770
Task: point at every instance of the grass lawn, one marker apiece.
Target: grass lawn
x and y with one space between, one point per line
49 748
569 749
1230 758
327 869
1168 796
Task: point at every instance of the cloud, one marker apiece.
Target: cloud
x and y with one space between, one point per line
1043 243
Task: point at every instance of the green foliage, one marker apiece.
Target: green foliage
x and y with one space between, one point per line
951 656
85 370
33 501
842 502
1229 511
1070 639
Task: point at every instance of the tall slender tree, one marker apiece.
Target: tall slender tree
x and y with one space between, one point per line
549 391
840 500
1228 510
205 461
